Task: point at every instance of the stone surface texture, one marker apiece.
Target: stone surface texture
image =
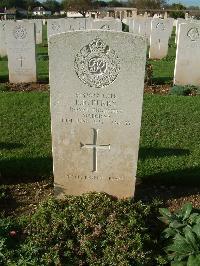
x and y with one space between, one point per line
96 107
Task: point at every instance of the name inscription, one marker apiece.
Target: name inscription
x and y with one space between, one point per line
96 108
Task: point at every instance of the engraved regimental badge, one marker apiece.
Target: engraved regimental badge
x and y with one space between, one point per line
96 64
105 27
55 26
193 34
20 32
160 26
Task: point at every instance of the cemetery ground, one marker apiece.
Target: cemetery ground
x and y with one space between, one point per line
168 171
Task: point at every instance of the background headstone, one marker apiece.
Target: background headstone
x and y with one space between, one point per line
78 24
20 38
38 30
178 22
55 26
160 33
110 24
188 55
96 106
3 51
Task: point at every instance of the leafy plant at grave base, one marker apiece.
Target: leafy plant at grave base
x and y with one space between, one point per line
148 74
9 240
182 235
180 90
2 193
185 90
93 229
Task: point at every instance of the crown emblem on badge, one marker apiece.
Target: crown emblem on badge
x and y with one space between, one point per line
98 44
96 64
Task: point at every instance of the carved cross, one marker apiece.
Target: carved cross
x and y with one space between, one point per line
95 148
21 60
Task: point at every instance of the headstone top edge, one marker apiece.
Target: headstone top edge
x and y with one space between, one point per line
74 32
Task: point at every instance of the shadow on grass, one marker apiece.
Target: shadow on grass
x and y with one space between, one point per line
145 153
25 170
4 78
10 146
43 79
162 80
183 177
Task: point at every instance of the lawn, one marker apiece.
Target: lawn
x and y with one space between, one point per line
169 148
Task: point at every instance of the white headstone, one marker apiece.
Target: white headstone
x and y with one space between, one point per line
110 24
160 33
78 24
96 106
20 38
3 51
188 55
141 26
55 26
38 29
178 22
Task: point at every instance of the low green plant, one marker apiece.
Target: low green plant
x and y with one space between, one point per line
180 90
9 240
182 235
3 193
93 229
185 90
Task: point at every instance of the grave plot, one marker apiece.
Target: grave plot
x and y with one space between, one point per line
95 141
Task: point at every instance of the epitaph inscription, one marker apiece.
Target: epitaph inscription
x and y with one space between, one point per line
97 65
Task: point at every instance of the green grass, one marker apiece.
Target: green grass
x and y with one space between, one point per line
163 70
25 141
169 148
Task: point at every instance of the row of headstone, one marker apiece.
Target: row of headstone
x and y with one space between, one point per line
157 32
21 37
21 49
55 26
38 32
